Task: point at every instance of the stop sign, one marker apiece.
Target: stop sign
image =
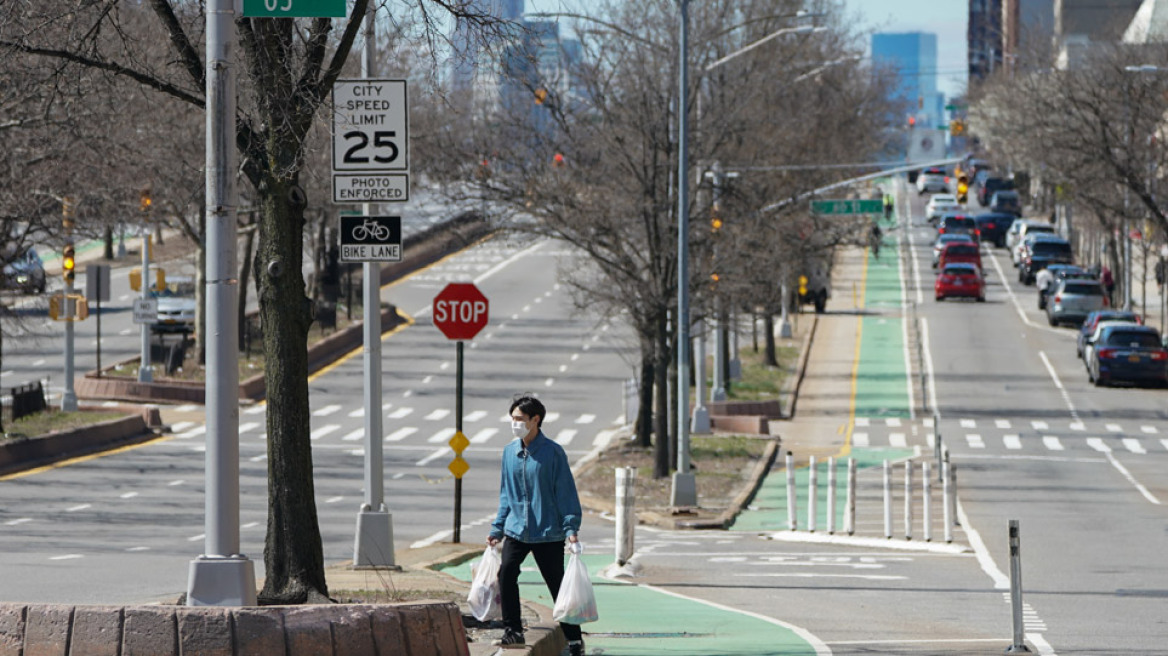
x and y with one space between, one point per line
460 310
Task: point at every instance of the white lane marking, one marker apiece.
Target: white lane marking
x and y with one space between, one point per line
67 557
18 522
407 394
975 441
128 495
259 409
1001 582
1165 443
192 408
931 439
259 458
181 426
437 414
400 413
174 483
1098 445
897 440
575 356
1113 428
1040 425
1002 423
400 434
602 439
81 506
551 416
1132 479
196 538
138 549
860 439
1012 441
441 436
927 422
433 456
566 436
1040 643
324 430
194 432
585 419
1078 426
929 372
563 368
358 413
892 422
249 426
477 415
1051 442
326 411
861 422
1133 445
968 423
126 331
812 575
249 525
427 380
902 274
1059 384
443 366
334 499
483 435
1150 430
353 436
549 382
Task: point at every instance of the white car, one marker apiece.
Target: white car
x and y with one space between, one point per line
1019 231
932 179
939 205
176 306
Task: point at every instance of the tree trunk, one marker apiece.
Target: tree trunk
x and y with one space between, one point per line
771 353
674 399
661 413
644 423
244 277
293 556
109 242
724 345
201 290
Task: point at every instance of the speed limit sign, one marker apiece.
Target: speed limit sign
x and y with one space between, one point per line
370 126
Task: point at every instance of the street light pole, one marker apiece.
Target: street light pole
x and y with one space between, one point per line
684 491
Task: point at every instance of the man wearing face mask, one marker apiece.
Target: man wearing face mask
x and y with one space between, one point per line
538 510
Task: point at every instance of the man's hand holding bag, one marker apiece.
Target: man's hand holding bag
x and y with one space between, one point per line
484 599
576 604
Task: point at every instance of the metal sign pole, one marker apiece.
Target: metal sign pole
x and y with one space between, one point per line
458 430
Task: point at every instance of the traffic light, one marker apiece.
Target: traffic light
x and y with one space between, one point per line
957 127
802 285
558 160
68 264
912 121
145 200
716 223
962 188
540 96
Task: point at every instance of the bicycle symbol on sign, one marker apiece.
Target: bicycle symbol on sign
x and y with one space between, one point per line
371 230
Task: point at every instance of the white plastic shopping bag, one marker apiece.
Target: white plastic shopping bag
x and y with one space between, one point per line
576 604
484 598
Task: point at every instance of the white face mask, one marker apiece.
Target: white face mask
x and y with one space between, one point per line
519 428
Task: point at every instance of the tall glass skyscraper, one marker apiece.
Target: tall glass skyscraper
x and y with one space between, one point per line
913 55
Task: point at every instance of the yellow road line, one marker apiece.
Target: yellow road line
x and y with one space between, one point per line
72 461
847 448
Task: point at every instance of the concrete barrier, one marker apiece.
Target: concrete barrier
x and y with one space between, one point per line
21 453
412 629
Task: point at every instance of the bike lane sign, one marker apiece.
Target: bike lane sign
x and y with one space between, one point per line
371 239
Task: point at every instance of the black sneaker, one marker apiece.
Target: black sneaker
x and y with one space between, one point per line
576 648
512 639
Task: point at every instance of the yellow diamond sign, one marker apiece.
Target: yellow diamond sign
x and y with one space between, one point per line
459 442
458 466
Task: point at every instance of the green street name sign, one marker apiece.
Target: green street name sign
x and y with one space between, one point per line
294 8
847 206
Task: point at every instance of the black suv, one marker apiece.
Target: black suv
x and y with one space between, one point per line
993 227
957 224
1043 250
990 184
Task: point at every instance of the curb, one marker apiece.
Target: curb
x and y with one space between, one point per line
792 394
18 455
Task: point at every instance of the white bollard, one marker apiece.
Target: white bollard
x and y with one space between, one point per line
812 493
908 500
792 521
887 499
953 497
831 496
626 515
1016 588
947 496
926 501
850 502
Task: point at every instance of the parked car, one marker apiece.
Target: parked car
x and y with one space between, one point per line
1018 233
1007 202
939 205
25 273
1087 329
960 279
960 252
989 185
1040 251
176 306
942 240
958 223
932 179
1127 352
1072 300
1048 278
994 227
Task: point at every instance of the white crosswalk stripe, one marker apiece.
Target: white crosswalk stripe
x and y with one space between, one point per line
1165 443
898 440
862 422
483 435
400 434
326 411
1097 444
181 426
477 415
1113 428
968 423
1133 445
441 436
892 422
859 439
435 415
1078 426
324 430
930 438
1012 441
551 416
400 413
1040 425
1052 442
975 441
1150 430
565 436
249 426
585 419
354 435
1002 423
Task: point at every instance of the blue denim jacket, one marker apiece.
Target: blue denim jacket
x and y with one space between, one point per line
537 494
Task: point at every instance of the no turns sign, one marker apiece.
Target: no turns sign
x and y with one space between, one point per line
460 310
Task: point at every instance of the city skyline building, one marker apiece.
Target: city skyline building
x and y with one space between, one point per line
913 57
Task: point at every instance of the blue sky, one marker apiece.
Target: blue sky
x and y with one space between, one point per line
946 18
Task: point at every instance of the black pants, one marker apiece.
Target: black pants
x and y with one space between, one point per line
549 556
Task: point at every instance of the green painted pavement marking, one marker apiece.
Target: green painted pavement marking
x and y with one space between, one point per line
637 620
768 510
881 378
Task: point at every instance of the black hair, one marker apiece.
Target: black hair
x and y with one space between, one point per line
530 406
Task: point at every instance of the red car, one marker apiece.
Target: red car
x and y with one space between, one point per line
955 252
960 279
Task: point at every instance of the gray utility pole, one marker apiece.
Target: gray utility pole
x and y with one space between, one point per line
221 576
145 372
718 388
69 396
373 545
684 491
701 414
